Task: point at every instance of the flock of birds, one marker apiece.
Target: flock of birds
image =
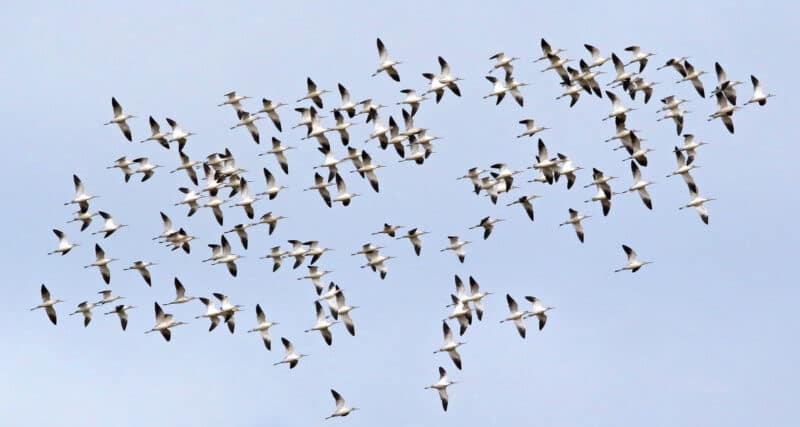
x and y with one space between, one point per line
412 144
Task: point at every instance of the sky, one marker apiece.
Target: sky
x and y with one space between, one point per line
703 336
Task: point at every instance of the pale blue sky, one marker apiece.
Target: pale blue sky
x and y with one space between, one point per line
705 336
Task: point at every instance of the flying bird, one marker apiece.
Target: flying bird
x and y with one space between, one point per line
575 221
48 304
633 263
120 119
385 64
441 387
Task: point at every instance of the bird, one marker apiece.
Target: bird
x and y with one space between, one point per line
575 220
640 186
412 100
163 323
677 64
487 223
586 78
617 109
538 310
344 196
676 114
557 64
122 311
636 151
413 235
566 169
726 86
190 199
292 358
276 255
180 294
120 119
247 120
246 200
693 76
499 89
604 199
226 257
124 165
64 246
441 387
81 197
450 345
263 327
368 169
633 263
271 220
724 112
446 78
503 61
600 180
314 94
342 310
108 297
759 97
48 304
462 313
377 263
298 252
178 134
638 56
341 126
241 232
109 227
457 245
386 64
597 59
640 85
317 131
347 105
271 109
544 164
85 308
315 274
530 128
525 202
473 174
322 186
341 410
272 189
623 77
690 147
388 229
214 204
212 313
698 203
513 88
622 131
141 267
145 168
396 138
278 151
156 134
475 297
234 101
101 262
187 165
227 310
378 129
547 50
323 324
515 315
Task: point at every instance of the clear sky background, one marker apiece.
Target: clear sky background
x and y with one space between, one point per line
704 336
